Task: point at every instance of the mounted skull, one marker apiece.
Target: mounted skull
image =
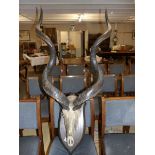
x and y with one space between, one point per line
72 124
70 121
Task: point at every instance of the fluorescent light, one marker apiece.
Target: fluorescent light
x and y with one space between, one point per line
23 19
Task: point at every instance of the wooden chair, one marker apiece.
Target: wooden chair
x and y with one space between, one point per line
34 89
117 111
72 84
128 85
132 65
57 71
55 74
23 69
109 90
127 89
116 68
132 68
76 69
86 146
103 66
30 118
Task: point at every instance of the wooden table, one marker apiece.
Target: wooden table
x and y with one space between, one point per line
37 59
73 61
118 53
128 55
81 60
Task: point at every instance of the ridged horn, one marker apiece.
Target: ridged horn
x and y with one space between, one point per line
96 87
47 85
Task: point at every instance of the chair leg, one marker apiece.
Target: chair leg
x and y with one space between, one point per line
101 146
42 149
50 131
37 133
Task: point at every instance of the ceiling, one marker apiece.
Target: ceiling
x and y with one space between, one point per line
59 11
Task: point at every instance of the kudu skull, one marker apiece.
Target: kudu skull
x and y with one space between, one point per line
72 124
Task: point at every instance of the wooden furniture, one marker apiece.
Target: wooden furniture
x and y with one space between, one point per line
28 47
131 68
109 89
86 146
109 86
76 69
72 84
118 53
117 111
37 59
34 89
55 73
128 85
73 61
104 45
72 50
30 118
116 68
102 65
23 69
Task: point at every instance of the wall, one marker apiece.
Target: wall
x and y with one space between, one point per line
124 30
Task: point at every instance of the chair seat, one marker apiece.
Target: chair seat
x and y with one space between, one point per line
86 147
119 144
44 108
29 145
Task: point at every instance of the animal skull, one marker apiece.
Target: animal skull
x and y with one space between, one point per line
71 122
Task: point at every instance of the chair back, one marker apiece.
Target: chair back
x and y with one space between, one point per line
33 86
55 74
72 84
128 84
118 111
133 68
110 84
29 114
116 68
103 66
75 69
56 71
30 118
